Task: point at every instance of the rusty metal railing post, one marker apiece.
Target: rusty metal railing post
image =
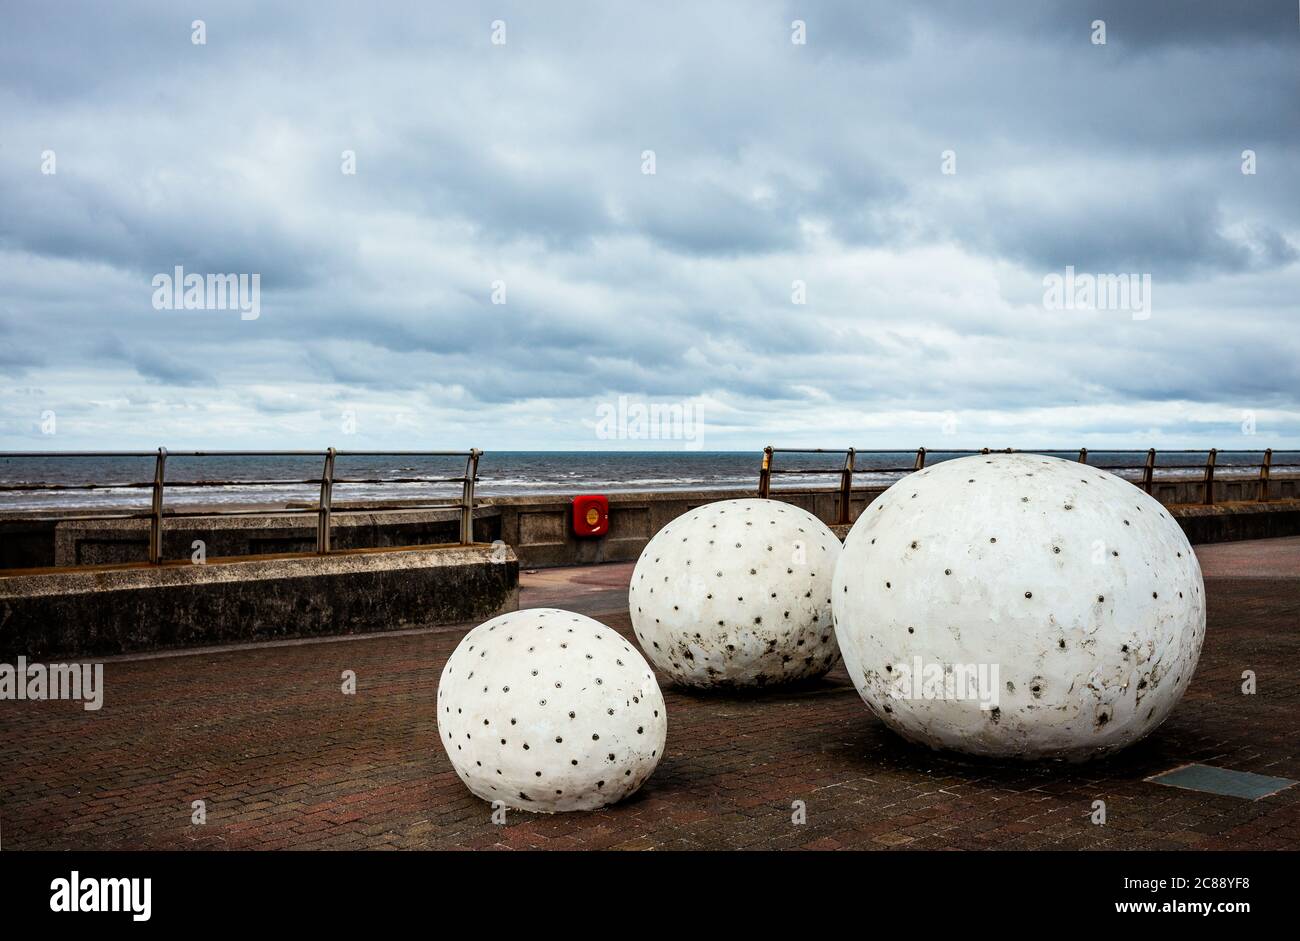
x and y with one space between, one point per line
919 463
765 474
326 504
467 498
1264 467
846 486
156 516
1149 470
1209 476
1083 455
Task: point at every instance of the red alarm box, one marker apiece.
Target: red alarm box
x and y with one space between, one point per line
590 515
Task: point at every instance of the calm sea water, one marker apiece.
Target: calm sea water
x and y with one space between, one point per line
501 473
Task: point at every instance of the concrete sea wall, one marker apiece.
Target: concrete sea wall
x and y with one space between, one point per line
539 530
103 611
83 588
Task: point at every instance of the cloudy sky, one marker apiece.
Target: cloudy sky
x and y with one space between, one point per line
523 164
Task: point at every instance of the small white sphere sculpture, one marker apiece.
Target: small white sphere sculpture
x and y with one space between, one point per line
737 593
548 710
1019 606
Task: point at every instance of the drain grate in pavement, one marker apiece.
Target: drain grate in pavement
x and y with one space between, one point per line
1222 781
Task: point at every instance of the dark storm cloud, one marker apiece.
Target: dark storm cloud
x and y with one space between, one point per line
776 165
1153 24
1148 26
1172 235
165 367
106 224
16 354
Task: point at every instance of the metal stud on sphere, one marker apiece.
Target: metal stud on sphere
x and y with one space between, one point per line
737 593
548 710
1019 606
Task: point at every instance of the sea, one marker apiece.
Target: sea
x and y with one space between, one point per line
276 480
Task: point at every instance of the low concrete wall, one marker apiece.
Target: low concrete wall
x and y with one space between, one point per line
26 544
101 611
540 530
1191 490
1230 522
114 542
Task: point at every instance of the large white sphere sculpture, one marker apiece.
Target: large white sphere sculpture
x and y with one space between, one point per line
1075 593
737 593
547 710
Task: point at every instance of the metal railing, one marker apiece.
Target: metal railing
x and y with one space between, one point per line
1148 467
324 509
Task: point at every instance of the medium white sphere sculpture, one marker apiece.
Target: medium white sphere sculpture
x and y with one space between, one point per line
1019 606
737 593
547 710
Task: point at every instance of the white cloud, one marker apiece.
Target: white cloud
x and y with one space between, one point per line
522 164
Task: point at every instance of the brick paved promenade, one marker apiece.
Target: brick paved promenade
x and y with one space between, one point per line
282 759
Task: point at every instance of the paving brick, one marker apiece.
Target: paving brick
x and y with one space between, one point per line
284 760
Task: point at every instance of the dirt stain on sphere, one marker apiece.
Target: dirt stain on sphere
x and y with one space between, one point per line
1088 604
